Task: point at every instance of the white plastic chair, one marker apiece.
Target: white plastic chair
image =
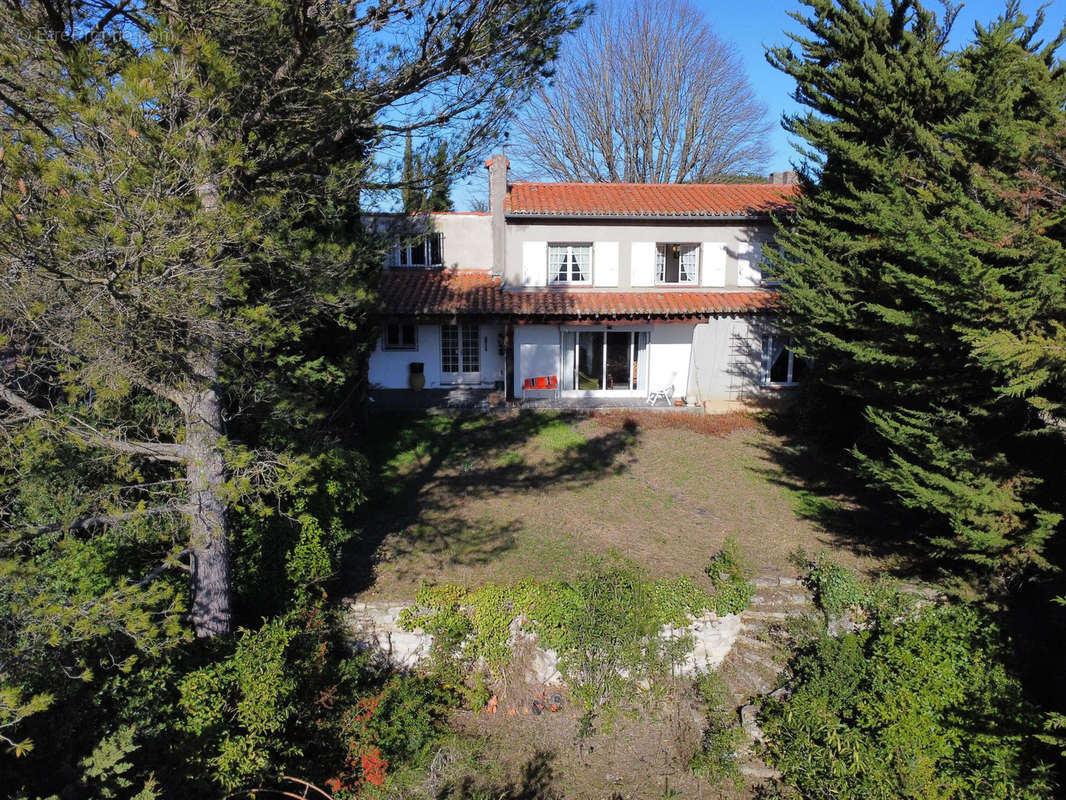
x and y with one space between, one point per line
665 392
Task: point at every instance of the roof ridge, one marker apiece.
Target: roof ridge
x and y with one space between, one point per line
586 184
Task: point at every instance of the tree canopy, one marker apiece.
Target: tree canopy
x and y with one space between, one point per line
183 313
924 270
647 93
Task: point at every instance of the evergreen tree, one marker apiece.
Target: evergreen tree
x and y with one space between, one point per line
426 181
439 174
183 300
912 270
412 195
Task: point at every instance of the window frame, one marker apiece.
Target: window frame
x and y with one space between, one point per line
570 246
767 366
401 255
400 347
693 247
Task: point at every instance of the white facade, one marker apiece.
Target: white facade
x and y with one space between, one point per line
609 345
540 352
623 252
390 369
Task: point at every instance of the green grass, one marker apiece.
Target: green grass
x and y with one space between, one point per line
558 436
510 460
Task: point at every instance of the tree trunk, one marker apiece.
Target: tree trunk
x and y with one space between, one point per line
208 533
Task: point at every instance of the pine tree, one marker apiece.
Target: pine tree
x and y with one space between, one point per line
909 261
411 191
426 181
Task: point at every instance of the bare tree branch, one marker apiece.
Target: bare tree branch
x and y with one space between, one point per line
647 93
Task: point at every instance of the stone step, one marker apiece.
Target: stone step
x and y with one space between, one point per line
768 581
759 772
751 641
782 599
760 660
767 615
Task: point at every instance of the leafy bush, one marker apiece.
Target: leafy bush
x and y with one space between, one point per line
605 624
716 759
730 573
918 708
238 706
836 588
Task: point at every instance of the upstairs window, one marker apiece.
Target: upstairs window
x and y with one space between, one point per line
402 336
781 366
425 251
677 263
570 263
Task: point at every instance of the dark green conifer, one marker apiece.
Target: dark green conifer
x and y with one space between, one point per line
915 274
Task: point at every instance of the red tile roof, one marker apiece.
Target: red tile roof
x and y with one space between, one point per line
424 292
649 199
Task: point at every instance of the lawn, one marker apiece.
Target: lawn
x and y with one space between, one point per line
476 498
496 498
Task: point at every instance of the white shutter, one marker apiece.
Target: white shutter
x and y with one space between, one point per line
748 269
605 263
534 263
642 267
714 261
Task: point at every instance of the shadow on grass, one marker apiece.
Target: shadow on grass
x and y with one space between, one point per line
537 782
426 465
852 516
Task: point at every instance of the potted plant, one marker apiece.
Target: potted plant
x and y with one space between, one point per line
417 379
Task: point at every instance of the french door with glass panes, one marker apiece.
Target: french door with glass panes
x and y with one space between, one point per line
460 354
605 361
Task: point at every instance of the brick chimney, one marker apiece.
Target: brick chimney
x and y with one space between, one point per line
788 176
497 167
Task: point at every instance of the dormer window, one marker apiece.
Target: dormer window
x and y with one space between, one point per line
425 251
677 263
569 263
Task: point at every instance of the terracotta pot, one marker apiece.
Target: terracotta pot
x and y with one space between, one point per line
417 378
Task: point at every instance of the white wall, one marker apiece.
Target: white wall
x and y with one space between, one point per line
467 239
738 240
727 361
536 350
389 368
669 352
467 242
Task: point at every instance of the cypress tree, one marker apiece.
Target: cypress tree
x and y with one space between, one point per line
912 272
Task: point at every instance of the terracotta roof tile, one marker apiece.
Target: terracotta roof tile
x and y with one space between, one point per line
423 292
649 199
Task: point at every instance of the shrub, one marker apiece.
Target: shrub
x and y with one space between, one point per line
606 626
716 759
918 708
836 588
730 574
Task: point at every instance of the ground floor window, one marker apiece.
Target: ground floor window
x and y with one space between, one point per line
400 337
460 353
604 360
781 366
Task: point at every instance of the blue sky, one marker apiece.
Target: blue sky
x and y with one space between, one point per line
756 24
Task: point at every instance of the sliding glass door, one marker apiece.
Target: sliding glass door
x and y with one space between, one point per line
604 361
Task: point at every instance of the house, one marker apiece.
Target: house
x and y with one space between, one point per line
591 294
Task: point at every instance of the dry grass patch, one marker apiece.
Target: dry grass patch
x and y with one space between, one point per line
474 499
